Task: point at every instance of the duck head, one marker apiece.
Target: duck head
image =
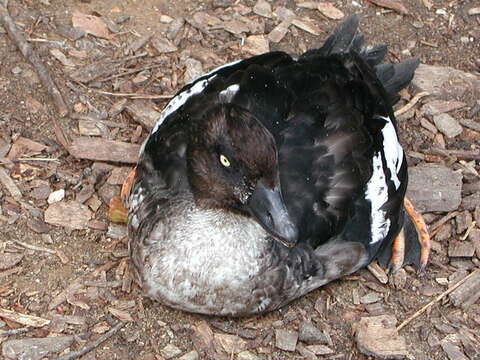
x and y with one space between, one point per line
232 164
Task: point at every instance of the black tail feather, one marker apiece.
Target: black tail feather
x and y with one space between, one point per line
344 39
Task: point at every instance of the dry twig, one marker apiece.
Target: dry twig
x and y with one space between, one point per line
14 331
411 103
434 301
93 345
33 247
27 51
133 95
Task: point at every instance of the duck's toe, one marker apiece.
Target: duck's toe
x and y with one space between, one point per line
422 235
411 246
398 253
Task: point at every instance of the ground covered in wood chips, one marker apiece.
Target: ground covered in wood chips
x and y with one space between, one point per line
64 279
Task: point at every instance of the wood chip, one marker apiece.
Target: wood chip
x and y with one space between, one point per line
231 344
395 5
378 272
163 46
203 340
279 31
104 150
308 25
467 293
256 44
94 71
60 56
27 320
286 340
330 11
377 336
143 112
23 146
120 314
69 214
10 185
92 25
263 8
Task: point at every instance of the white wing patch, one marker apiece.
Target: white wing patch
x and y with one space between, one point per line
393 151
377 194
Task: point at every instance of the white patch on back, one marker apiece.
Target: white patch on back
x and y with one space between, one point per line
222 67
377 194
180 99
227 95
393 151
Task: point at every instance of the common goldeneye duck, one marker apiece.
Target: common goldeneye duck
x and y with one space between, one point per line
272 176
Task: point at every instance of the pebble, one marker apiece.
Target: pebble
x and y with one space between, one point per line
35 348
320 349
56 196
447 125
286 340
247 355
170 351
399 279
192 355
16 70
370 298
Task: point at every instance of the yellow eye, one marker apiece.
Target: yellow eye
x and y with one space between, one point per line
224 161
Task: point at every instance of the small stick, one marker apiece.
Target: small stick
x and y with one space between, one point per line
437 299
133 57
461 154
442 221
14 331
33 247
76 354
470 228
411 103
27 51
134 95
36 159
133 71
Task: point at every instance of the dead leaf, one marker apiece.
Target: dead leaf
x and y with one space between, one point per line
92 25
391 4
